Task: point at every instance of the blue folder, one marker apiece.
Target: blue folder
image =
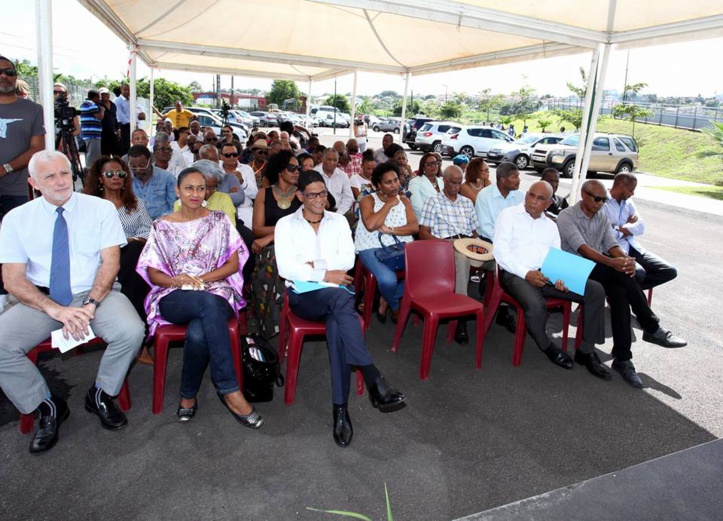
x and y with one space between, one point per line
573 270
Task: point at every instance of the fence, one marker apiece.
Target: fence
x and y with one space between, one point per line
690 117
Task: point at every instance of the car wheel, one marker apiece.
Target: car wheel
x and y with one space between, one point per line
375 129
521 161
437 147
412 146
467 151
568 169
624 167
396 131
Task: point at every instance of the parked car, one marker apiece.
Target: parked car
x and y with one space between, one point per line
411 134
266 119
207 118
388 125
239 116
473 141
326 119
519 151
613 153
371 120
430 135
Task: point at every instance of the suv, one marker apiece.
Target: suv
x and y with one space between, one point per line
414 125
612 153
430 136
518 152
473 141
388 125
207 118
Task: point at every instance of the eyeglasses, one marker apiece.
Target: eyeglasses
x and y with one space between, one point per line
164 149
596 198
432 163
230 154
121 174
58 92
261 151
313 195
10 72
140 168
293 168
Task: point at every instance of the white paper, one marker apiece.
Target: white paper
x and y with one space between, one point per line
58 341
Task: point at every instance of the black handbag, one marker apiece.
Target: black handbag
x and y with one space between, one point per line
261 369
391 256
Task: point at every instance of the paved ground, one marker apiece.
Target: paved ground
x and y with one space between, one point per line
467 442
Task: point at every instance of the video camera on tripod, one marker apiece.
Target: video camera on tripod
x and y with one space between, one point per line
64 113
64 134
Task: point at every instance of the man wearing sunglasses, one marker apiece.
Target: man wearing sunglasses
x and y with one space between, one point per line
155 187
21 135
585 230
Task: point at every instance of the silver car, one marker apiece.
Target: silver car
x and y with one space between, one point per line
519 152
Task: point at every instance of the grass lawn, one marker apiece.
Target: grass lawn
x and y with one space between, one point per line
664 151
713 192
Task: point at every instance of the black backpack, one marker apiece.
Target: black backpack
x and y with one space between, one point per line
261 369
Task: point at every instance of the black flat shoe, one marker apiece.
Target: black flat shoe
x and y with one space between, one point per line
46 435
460 334
185 414
593 364
98 402
664 338
343 430
506 319
252 420
558 357
382 318
384 396
626 369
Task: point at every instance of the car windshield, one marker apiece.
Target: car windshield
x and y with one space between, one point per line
630 142
426 127
571 140
527 140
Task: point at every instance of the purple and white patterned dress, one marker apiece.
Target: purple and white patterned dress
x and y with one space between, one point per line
193 247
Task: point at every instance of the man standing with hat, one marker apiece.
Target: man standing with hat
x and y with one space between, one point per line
260 150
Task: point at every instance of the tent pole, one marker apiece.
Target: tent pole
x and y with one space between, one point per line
404 105
44 27
308 98
134 93
152 130
353 107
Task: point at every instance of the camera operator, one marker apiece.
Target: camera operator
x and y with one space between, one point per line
91 115
65 115
109 139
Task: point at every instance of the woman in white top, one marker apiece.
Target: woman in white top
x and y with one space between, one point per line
385 213
360 132
428 183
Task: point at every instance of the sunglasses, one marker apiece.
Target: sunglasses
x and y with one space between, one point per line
313 195
210 139
293 168
261 151
230 154
9 72
596 198
121 174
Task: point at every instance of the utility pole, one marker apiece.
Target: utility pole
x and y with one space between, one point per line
625 86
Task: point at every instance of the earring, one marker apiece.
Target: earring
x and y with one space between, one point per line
100 187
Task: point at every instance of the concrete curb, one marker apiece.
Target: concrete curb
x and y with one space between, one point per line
679 209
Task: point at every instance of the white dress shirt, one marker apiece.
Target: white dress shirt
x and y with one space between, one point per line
619 213
521 243
182 157
338 185
249 185
297 245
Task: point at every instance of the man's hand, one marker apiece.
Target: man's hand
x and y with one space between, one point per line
560 286
233 190
625 231
338 277
537 279
633 219
75 320
623 264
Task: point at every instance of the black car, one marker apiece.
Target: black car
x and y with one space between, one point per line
414 125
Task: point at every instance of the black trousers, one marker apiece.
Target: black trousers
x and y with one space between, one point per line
125 140
532 300
624 293
651 270
132 285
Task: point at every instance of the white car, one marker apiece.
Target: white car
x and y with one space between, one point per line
520 151
473 141
429 137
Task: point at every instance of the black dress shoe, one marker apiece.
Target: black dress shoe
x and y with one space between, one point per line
53 412
664 338
252 420
506 319
185 414
381 317
628 372
593 364
460 334
558 357
101 404
343 430
384 396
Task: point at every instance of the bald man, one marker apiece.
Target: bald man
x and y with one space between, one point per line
523 237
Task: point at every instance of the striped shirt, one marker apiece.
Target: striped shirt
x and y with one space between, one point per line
91 127
447 218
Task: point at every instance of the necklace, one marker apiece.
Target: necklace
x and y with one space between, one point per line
284 201
314 222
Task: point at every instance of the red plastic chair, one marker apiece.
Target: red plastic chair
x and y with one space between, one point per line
495 295
172 333
27 420
366 283
292 331
429 290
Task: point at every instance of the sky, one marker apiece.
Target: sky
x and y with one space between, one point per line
683 69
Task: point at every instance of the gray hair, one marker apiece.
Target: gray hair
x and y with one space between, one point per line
161 137
46 156
506 169
205 148
451 169
209 169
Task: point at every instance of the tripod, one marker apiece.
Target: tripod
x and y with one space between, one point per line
65 142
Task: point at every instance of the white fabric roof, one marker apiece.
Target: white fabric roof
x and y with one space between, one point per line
318 39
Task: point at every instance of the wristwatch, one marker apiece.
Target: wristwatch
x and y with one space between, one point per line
7 168
89 300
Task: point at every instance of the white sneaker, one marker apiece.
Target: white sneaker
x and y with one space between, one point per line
3 302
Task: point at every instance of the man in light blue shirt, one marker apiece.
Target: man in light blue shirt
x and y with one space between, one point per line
495 198
154 186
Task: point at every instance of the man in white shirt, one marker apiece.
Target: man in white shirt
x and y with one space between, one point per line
315 245
60 256
650 270
337 182
180 146
523 237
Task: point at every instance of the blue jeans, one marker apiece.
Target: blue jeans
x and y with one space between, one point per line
390 288
207 338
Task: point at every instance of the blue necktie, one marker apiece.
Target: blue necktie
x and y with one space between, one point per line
60 264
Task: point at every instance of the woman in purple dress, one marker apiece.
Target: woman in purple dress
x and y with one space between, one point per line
193 261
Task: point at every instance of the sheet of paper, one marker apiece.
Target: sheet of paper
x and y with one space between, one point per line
58 340
305 286
573 270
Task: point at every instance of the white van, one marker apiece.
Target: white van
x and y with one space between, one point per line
325 115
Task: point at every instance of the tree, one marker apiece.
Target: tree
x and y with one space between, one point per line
388 94
630 111
489 103
365 107
194 86
580 92
572 116
544 123
412 108
339 101
25 69
282 90
451 110
715 131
